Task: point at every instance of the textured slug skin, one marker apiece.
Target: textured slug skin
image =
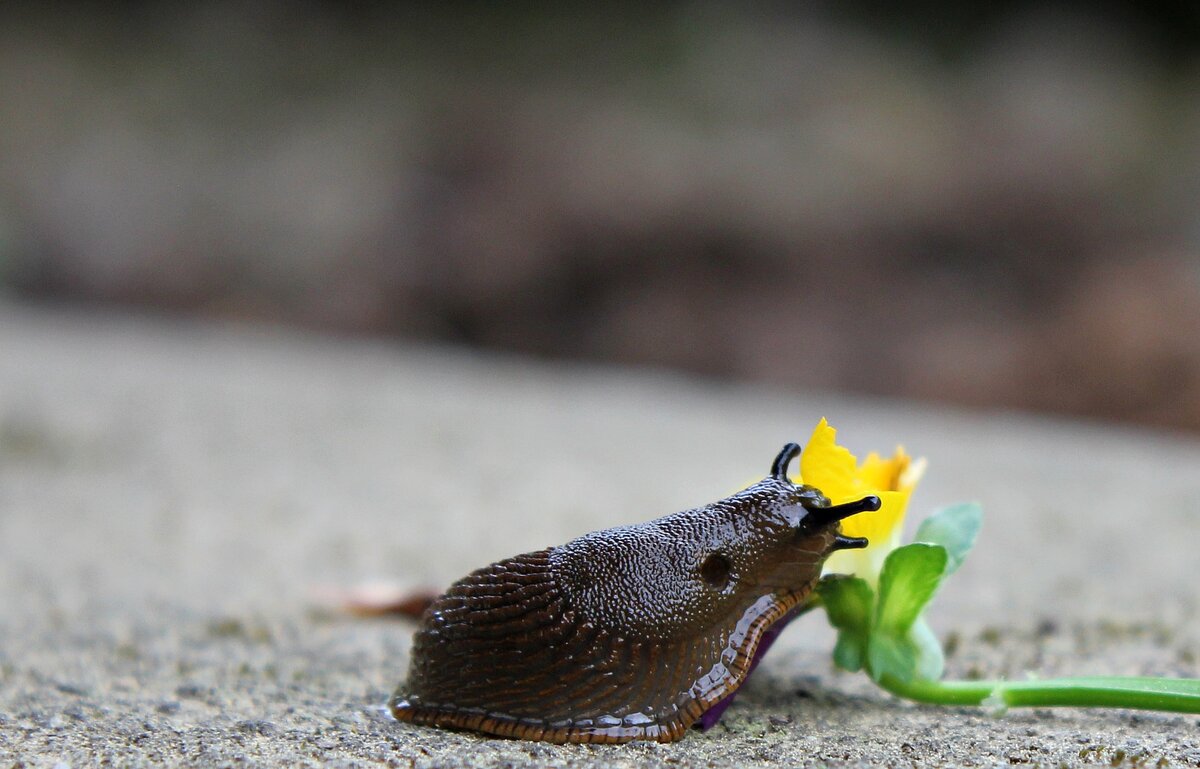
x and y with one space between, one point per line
629 633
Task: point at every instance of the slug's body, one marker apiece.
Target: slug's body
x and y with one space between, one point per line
627 633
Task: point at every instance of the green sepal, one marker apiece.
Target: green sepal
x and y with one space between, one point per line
849 603
955 528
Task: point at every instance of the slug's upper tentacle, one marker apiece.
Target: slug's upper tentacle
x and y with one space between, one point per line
779 467
819 517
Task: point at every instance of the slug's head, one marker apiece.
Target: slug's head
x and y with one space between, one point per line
819 515
690 572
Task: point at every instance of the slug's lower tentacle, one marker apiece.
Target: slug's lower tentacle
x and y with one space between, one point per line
849 543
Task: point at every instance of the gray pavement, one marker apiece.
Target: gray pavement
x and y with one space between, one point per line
172 493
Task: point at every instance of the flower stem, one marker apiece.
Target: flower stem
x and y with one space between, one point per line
1178 695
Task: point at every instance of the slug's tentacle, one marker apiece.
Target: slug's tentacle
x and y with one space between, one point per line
849 543
779 467
819 517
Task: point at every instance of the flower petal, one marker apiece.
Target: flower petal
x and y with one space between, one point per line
828 466
911 475
880 473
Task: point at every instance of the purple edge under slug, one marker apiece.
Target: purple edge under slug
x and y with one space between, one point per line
711 716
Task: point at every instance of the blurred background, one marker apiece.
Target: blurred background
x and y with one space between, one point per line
988 207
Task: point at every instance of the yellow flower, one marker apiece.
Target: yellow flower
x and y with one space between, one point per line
837 473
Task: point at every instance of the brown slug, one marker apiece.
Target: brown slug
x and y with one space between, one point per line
629 633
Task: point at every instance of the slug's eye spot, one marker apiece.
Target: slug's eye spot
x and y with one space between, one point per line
715 570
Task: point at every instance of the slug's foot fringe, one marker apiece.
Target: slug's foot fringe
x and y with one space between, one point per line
605 729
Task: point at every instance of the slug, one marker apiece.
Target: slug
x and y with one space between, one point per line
629 633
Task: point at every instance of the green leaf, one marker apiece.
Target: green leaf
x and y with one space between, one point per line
931 661
900 644
909 578
955 528
891 655
850 651
849 603
912 656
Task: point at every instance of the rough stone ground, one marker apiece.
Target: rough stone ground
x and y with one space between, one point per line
170 494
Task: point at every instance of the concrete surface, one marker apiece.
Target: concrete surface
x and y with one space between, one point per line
171 493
